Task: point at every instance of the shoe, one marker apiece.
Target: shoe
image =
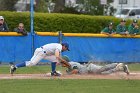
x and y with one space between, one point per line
55 73
126 69
120 66
12 69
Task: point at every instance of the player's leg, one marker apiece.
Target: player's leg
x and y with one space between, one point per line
119 67
110 71
113 68
92 68
107 67
38 55
53 60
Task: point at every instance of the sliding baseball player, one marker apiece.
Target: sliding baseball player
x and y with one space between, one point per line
90 68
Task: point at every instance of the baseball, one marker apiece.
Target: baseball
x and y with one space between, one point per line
48 74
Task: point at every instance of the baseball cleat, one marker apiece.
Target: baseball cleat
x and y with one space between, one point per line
55 73
126 69
12 69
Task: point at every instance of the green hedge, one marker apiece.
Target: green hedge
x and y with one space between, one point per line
68 23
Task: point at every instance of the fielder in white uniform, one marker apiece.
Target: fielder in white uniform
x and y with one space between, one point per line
51 52
91 68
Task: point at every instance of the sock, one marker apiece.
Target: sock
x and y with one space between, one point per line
53 65
20 65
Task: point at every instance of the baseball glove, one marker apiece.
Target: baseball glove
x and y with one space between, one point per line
65 64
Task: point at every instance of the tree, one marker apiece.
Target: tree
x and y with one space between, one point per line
93 7
59 5
110 9
41 6
7 5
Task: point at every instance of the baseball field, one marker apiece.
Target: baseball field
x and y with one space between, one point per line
35 80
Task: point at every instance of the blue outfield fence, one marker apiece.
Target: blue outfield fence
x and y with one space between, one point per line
82 49
15 48
98 49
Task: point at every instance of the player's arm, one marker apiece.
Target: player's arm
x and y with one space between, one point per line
57 54
105 31
74 71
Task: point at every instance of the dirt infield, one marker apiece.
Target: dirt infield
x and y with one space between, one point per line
133 75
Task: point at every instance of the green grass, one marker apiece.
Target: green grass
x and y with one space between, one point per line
69 86
134 67
4 69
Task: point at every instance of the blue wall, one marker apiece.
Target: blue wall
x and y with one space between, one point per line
15 48
83 49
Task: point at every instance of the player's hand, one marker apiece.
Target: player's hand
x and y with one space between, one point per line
136 26
133 34
74 71
110 35
58 63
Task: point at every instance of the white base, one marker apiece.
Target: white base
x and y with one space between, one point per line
49 74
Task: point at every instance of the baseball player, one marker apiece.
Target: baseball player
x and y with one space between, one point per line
75 68
134 28
108 30
121 28
49 52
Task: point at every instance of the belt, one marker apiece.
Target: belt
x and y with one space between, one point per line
43 50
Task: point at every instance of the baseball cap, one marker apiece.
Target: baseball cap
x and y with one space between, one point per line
1 17
135 21
66 45
110 24
123 20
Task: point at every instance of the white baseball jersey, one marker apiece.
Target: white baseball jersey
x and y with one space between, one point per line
45 52
51 48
